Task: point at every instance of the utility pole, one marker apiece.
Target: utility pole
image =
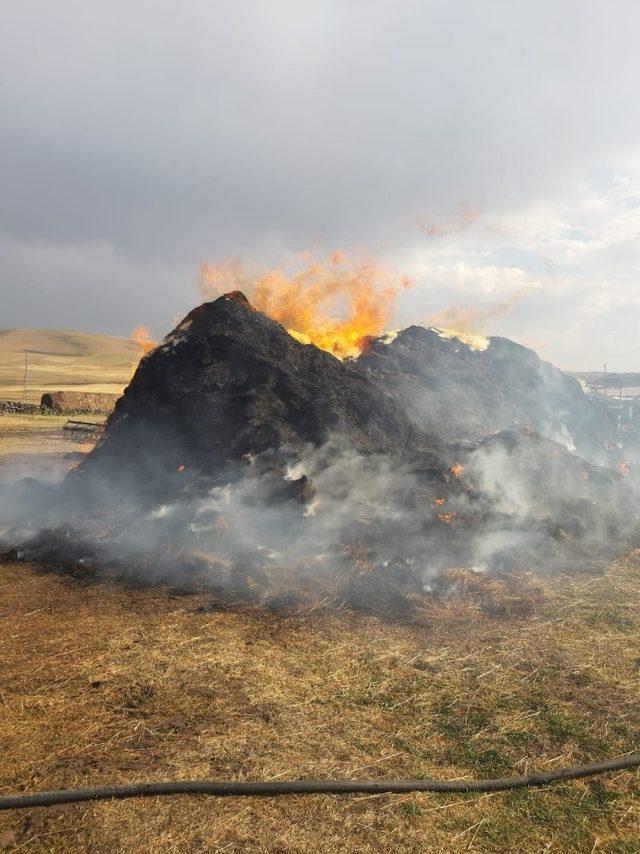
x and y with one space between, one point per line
25 385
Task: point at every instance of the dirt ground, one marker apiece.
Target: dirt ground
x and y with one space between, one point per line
102 683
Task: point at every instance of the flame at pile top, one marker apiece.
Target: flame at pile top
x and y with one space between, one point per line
466 322
336 303
471 339
458 322
142 338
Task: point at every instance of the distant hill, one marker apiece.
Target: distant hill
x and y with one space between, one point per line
62 360
107 348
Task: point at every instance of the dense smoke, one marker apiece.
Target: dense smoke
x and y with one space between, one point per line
243 462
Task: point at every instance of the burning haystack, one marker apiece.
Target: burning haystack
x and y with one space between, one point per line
228 385
245 461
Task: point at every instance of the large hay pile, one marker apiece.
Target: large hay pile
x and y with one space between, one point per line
244 461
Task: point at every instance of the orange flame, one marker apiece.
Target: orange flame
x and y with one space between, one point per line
458 322
337 302
438 502
468 323
624 468
142 338
447 518
457 469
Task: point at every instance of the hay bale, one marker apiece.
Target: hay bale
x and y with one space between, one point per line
69 402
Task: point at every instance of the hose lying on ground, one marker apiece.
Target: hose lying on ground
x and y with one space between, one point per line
313 787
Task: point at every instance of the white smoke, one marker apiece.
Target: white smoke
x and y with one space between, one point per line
313 519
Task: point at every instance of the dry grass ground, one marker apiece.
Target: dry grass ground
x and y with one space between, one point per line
62 361
106 684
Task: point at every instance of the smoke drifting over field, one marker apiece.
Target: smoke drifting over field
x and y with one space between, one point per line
246 462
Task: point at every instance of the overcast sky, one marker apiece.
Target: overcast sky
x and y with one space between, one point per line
142 138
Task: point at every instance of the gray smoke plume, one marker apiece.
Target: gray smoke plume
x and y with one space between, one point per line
245 463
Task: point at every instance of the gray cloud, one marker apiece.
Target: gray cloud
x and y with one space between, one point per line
142 138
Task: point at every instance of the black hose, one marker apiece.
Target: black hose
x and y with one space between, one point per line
313 787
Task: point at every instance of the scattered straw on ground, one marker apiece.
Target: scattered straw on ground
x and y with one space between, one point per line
102 684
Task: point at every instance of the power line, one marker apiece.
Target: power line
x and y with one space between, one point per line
25 384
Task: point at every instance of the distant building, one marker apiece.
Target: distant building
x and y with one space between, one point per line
620 393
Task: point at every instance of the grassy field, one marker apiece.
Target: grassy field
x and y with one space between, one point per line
61 361
106 684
